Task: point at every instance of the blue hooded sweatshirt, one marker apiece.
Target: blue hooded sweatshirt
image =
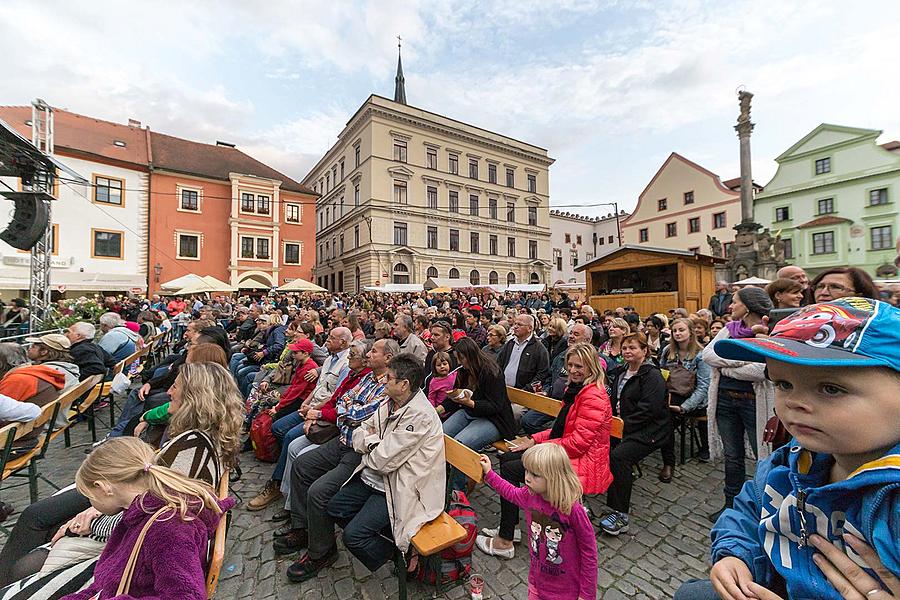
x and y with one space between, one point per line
790 499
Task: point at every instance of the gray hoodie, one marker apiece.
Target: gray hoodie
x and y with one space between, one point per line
120 342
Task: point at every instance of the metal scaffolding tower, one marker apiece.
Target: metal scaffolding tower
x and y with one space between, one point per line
39 289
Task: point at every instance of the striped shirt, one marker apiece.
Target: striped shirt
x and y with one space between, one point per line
359 404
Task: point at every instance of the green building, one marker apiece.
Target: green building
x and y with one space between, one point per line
834 200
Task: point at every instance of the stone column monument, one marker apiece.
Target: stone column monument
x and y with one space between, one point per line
753 254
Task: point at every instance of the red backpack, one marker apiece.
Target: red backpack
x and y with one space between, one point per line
454 563
265 446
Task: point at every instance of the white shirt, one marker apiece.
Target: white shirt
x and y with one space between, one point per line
512 367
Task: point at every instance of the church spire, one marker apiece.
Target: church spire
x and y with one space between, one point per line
399 81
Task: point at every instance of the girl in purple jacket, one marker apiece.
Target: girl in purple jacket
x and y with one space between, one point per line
561 538
122 474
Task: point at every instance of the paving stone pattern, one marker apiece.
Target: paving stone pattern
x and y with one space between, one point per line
667 543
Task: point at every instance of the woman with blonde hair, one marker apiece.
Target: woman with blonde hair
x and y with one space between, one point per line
611 350
558 526
204 398
688 387
164 534
581 429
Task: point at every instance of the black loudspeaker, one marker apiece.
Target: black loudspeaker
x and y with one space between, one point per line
29 221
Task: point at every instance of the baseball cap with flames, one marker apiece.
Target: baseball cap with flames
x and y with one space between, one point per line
849 332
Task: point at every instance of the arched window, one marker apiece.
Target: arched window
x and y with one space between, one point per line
401 273
454 273
431 272
510 278
535 278
475 277
493 278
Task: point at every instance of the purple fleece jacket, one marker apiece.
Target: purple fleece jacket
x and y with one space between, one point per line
563 547
171 563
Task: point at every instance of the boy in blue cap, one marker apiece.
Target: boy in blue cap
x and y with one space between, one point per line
821 518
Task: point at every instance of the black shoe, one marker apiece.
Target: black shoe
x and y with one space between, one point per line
248 445
293 541
306 568
235 474
281 515
283 531
665 474
715 516
703 456
5 511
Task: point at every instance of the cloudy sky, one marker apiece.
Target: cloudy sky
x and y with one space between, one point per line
610 87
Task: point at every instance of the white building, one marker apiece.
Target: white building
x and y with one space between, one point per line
577 239
99 229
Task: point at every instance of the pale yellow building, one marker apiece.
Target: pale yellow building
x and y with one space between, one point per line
683 204
408 195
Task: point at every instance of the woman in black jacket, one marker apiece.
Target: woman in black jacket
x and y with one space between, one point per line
639 398
484 417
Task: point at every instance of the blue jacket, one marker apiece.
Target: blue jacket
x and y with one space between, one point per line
274 341
766 530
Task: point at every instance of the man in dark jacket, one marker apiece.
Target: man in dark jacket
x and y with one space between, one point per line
90 358
524 358
721 300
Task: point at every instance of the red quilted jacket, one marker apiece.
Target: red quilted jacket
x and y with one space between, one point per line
586 438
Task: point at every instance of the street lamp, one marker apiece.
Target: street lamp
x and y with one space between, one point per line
157 269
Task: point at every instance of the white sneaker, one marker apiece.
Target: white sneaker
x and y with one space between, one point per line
495 531
486 545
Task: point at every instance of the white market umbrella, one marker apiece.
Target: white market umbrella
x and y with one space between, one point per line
181 282
301 285
218 284
752 281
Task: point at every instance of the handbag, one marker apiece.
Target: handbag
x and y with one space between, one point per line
321 432
128 573
775 433
282 373
682 382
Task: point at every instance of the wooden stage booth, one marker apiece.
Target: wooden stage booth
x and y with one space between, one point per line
652 280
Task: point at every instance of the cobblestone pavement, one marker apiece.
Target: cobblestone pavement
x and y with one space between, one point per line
666 545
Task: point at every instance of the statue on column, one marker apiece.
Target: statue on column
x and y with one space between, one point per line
764 246
744 98
778 246
715 246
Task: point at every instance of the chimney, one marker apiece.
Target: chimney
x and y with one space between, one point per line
134 123
224 144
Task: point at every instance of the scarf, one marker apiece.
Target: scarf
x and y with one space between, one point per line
568 400
737 330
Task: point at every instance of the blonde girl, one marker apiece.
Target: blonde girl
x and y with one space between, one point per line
176 515
561 538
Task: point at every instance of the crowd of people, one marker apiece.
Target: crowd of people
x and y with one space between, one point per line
349 398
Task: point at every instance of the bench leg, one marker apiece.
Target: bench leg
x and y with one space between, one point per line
400 567
684 425
33 481
67 437
92 422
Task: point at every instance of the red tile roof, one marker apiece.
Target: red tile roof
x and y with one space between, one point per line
735 184
80 135
825 220
86 135
208 160
894 145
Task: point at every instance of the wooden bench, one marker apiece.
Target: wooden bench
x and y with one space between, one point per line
68 401
442 532
530 400
13 466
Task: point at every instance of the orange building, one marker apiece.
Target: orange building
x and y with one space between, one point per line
217 211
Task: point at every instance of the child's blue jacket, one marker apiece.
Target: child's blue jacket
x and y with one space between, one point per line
790 498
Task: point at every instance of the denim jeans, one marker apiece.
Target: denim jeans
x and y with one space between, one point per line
472 432
245 377
132 408
696 589
736 416
362 513
286 430
235 361
534 421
